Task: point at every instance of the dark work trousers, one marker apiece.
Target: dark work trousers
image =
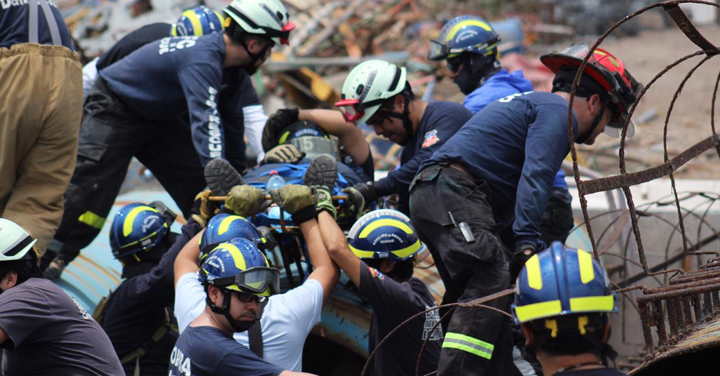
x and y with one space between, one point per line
110 135
477 341
557 220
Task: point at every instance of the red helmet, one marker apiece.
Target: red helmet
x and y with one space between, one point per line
609 72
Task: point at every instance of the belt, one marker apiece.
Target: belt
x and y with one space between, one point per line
459 167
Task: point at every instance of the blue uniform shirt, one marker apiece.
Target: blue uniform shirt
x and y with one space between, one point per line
524 141
500 85
15 24
440 121
206 351
177 74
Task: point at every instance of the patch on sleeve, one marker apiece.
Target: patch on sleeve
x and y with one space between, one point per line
375 274
431 138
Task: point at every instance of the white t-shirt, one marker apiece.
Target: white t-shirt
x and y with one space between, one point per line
286 320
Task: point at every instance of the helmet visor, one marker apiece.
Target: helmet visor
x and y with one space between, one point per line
438 51
314 146
253 280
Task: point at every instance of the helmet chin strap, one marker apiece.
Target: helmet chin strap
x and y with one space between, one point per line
405 118
224 309
254 58
593 126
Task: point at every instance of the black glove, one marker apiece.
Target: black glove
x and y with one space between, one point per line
367 190
275 124
268 239
523 252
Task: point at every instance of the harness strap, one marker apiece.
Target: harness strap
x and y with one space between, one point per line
34 25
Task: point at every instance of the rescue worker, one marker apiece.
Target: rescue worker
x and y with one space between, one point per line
137 109
477 203
41 86
377 93
43 331
379 260
138 316
280 339
193 22
569 339
469 46
237 280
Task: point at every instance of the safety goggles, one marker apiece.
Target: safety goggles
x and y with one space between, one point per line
283 35
353 110
253 281
249 298
441 51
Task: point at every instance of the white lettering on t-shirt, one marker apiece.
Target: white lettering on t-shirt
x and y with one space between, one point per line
180 362
14 3
214 141
80 308
432 318
172 44
512 96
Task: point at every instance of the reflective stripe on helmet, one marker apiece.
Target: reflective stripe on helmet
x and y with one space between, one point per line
538 310
227 221
534 273
384 222
593 304
130 219
585 261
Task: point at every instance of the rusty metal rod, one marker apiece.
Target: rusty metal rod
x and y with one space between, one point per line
679 293
267 197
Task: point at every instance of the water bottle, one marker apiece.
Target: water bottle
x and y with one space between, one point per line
276 181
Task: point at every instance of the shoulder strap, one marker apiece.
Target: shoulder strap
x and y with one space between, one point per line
49 18
255 338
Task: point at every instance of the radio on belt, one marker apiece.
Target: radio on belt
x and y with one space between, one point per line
464 229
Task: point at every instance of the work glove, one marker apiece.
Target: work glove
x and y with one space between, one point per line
522 253
275 124
287 153
55 269
298 200
268 239
357 205
367 190
323 199
246 200
203 209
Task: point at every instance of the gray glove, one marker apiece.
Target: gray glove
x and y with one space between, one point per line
246 200
298 200
287 153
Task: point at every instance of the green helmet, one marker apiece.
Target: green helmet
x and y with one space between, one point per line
261 17
367 86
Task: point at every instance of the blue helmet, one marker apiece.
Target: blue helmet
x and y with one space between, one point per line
198 21
238 265
224 227
136 227
384 233
561 281
464 34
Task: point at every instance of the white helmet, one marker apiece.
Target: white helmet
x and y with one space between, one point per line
262 17
367 86
14 241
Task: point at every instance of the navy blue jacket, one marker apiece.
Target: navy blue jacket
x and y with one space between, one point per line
15 28
177 74
137 308
439 122
516 145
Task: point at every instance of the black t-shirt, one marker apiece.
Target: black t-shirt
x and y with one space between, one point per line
133 41
204 350
138 308
49 333
593 372
440 121
393 303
